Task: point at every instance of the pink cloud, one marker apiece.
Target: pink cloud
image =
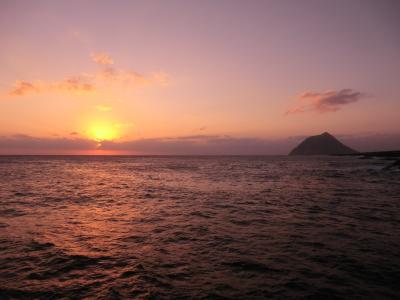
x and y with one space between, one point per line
130 78
102 58
23 87
88 82
73 84
68 85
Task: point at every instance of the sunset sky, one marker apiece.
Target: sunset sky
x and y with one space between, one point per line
197 77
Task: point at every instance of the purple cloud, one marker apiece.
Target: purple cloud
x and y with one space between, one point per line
20 143
186 145
329 101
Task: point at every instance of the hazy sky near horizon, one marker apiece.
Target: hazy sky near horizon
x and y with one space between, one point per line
149 70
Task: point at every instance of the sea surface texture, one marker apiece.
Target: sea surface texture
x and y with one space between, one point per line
198 228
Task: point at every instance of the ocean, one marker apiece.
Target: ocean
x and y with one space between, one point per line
222 227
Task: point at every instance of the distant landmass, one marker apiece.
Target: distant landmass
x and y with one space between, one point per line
323 144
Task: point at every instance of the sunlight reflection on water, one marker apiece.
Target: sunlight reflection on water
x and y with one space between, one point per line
198 227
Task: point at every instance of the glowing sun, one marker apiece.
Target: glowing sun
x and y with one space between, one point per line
103 131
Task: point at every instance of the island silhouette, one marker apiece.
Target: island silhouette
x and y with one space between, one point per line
323 144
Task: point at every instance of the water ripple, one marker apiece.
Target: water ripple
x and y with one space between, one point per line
198 228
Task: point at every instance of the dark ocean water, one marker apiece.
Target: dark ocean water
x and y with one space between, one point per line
198 228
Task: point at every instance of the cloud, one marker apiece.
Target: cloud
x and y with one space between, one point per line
89 82
185 145
329 101
75 85
123 125
23 87
130 78
102 58
202 145
103 107
161 78
26 144
202 128
373 141
113 74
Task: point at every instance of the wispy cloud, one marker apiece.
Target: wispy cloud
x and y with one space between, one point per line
89 82
123 125
75 85
329 101
103 107
111 75
102 58
23 87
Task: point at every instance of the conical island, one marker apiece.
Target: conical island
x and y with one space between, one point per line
323 144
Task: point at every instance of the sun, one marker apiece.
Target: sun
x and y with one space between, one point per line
103 131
